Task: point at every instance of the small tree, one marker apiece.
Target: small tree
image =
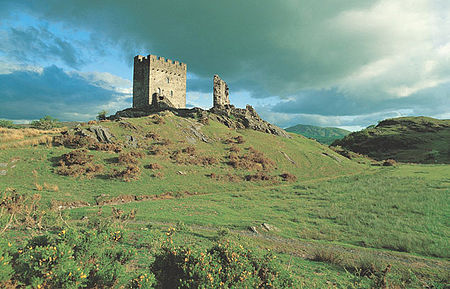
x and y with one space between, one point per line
102 115
47 122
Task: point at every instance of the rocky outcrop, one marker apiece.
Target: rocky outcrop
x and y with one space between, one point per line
245 118
229 115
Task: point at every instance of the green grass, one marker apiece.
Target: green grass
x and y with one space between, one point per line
389 215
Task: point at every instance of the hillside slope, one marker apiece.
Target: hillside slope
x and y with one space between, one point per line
405 139
189 156
324 135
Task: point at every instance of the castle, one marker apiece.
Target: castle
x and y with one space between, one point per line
156 79
160 83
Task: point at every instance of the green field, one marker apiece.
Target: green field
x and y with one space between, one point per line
339 224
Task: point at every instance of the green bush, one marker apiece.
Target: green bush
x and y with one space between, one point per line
6 123
225 265
72 259
47 122
6 252
102 115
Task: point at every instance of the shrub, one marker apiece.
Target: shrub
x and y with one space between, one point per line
259 176
72 259
153 166
389 163
47 122
190 150
253 160
78 163
73 141
102 115
6 123
6 252
225 265
20 210
130 173
288 177
235 148
207 161
153 136
127 158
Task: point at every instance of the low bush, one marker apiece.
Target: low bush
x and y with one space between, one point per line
253 160
130 173
259 176
288 177
389 163
47 122
72 259
153 166
225 265
78 163
190 150
6 123
235 148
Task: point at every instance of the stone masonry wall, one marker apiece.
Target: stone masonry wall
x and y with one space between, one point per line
220 92
153 74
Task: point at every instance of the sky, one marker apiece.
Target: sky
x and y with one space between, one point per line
347 63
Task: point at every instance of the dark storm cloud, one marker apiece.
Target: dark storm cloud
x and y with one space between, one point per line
275 45
29 44
330 57
31 95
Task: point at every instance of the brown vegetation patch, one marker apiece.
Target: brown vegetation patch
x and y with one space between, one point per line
130 173
129 157
389 163
21 210
259 176
153 136
78 141
61 205
122 199
236 140
78 163
153 166
234 148
288 177
253 160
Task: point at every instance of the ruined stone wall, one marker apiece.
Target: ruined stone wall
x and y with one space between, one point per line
220 92
153 74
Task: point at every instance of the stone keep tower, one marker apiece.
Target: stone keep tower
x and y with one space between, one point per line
156 76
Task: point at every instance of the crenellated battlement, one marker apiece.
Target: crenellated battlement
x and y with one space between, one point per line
157 62
157 75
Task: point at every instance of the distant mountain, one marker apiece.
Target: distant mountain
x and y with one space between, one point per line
405 139
325 135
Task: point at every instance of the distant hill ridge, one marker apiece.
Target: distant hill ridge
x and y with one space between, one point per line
325 135
405 139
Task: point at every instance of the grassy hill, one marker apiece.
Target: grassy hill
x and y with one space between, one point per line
171 191
404 139
325 135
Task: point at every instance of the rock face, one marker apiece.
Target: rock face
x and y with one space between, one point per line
220 92
245 118
99 133
230 116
